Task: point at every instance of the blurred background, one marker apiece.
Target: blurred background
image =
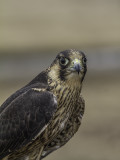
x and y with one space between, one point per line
33 32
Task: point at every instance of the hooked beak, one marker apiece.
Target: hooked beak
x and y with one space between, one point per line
77 65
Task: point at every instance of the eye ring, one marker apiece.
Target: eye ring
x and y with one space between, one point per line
84 60
63 61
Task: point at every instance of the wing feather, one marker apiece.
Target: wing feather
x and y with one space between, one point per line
24 118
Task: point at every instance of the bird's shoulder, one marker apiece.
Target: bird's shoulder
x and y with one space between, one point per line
39 81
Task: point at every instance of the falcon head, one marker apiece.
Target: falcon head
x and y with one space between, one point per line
69 65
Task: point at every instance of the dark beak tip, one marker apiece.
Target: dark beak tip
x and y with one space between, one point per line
78 68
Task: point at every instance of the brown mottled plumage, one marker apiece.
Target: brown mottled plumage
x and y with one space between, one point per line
45 114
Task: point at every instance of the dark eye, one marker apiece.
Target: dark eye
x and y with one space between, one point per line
64 61
84 60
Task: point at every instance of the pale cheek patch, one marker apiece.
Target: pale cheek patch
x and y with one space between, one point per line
54 72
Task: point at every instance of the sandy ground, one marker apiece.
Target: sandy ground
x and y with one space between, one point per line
99 135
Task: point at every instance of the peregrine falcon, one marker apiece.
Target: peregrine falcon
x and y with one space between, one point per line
45 114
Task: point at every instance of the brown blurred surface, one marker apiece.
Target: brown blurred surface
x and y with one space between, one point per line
57 24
